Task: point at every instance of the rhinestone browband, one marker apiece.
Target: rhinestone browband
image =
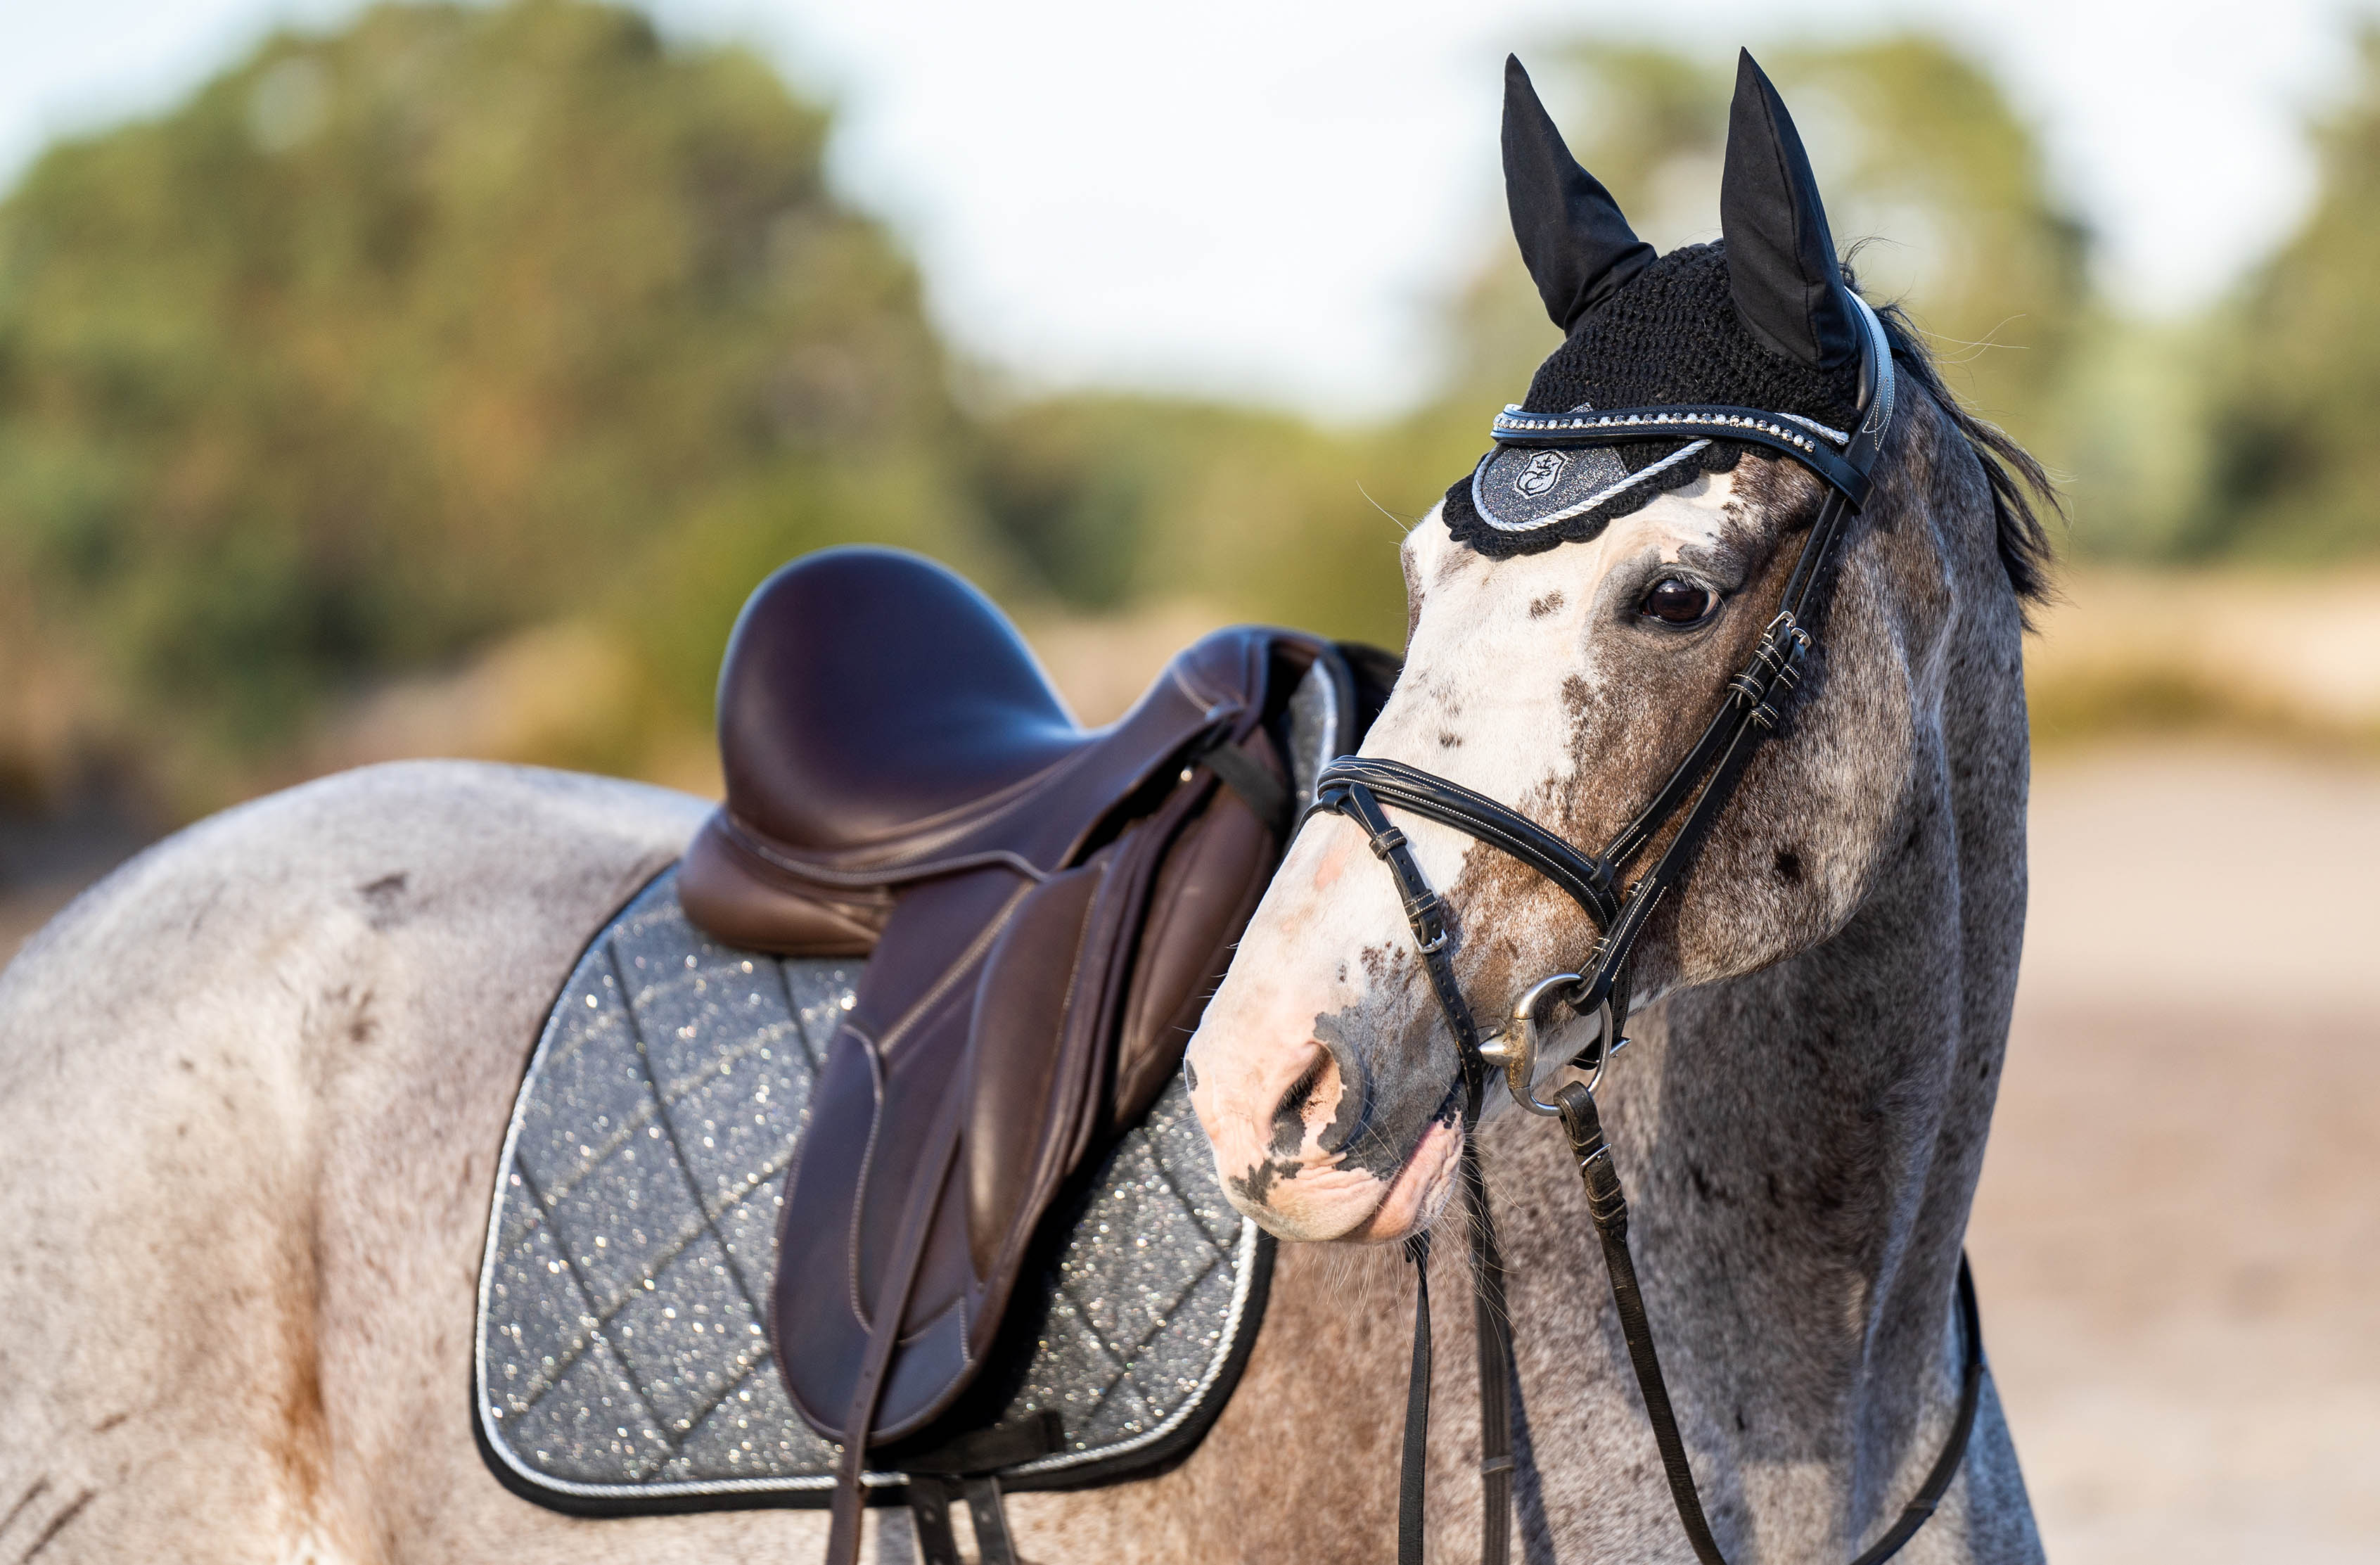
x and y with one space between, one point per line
1515 425
1814 444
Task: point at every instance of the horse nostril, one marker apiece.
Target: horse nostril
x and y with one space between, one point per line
1336 1079
1289 1118
1355 1086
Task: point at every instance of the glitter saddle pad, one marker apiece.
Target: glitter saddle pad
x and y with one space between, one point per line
621 1363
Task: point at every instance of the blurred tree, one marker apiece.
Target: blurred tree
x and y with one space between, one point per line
457 319
2296 373
1923 153
1257 514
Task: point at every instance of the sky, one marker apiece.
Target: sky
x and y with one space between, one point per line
1270 199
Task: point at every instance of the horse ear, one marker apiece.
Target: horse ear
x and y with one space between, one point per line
1578 247
1781 257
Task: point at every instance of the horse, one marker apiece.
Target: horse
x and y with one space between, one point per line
253 1085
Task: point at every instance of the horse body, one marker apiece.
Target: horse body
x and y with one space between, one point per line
252 1088
255 1083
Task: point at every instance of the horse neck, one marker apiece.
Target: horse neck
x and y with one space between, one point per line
1800 1147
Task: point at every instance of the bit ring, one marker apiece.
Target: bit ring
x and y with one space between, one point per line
1514 1051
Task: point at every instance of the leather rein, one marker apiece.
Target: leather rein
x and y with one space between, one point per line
1695 794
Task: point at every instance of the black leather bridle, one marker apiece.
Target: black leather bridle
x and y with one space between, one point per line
1360 787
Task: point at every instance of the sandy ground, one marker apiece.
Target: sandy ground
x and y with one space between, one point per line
2178 1236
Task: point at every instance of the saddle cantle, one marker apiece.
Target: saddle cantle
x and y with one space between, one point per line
1045 909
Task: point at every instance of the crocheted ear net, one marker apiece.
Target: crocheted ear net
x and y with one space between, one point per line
1670 335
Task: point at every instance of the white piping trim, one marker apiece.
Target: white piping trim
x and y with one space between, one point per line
1479 503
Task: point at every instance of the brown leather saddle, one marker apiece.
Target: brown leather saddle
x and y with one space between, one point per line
1045 910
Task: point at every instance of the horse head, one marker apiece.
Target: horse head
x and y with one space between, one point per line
1574 619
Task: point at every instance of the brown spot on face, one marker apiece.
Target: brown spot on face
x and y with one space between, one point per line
1774 488
1789 866
1449 741
1540 607
1256 1183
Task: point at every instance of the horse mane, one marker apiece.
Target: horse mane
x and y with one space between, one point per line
2019 483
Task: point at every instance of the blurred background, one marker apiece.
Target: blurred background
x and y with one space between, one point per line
436 380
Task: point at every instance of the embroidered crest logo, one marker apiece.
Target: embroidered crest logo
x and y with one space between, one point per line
1545 470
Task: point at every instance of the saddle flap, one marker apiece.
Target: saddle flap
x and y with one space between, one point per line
1207 889
1031 1066
1050 1030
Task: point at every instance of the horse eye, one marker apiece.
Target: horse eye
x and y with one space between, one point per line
1676 601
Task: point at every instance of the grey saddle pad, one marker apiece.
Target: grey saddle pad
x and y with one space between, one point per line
622 1363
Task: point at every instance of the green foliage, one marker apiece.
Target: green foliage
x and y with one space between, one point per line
2297 371
452 322
1115 498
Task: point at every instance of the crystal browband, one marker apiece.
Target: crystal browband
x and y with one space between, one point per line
1805 441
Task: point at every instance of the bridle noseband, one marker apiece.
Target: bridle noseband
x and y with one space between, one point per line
1695 792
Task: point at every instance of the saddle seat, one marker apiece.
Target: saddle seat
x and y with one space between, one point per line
1044 909
873 698
880 723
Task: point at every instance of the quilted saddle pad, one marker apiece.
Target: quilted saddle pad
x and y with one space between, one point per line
621 1363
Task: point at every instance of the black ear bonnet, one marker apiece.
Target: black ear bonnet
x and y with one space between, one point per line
1757 320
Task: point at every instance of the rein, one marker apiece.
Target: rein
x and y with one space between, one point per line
1359 788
